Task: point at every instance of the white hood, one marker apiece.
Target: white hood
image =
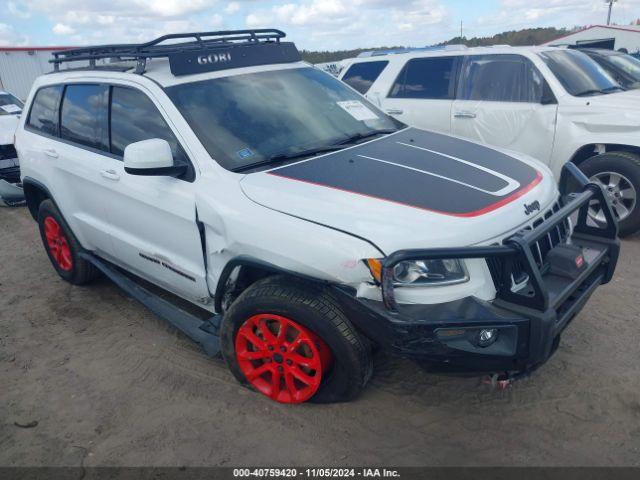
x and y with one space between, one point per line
412 189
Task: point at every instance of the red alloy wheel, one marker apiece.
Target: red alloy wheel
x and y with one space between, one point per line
58 244
280 358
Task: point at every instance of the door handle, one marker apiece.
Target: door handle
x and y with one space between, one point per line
50 152
464 115
393 111
110 174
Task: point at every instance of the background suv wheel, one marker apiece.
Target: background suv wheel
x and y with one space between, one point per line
619 174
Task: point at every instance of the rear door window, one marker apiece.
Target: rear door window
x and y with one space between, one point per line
426 78
501 78
361 76
43 116
84 116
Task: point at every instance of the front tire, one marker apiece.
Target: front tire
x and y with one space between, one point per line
619 174
289 340
62 247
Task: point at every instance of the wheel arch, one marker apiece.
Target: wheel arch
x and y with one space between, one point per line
35 193
252 270
587 151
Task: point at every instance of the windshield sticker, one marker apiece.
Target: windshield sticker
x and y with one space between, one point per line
245 153
11 108
357 110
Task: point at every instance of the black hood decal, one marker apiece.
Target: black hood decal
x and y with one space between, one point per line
424 170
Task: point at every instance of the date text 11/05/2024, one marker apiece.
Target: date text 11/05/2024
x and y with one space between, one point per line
316 472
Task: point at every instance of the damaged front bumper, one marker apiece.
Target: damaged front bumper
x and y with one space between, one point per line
11 193
523 323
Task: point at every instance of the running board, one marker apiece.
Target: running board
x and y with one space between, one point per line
204 333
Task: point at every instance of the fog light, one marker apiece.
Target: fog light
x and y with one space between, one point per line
487 336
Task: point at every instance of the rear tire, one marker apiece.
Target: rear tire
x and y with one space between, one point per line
342 370
62 247
626 166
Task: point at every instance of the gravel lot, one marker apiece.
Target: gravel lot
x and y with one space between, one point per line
110 384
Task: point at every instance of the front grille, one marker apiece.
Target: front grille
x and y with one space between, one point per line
7 152
516 277
558 235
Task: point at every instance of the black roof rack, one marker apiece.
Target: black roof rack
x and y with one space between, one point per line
207 51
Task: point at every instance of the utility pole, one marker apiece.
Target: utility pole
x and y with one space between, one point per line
461 30
610 2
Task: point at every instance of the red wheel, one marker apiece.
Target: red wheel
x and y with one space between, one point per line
290 340
58 244
280 358
62 247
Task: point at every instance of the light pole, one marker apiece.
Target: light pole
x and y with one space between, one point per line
610 2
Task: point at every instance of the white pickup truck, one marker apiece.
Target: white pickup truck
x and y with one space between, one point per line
554 104
302 223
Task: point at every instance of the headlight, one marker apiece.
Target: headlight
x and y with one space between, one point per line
429 272
420 273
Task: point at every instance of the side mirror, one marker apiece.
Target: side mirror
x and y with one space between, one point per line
151 157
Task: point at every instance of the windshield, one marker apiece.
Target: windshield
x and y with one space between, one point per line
249 119
628 66
578 73
9 104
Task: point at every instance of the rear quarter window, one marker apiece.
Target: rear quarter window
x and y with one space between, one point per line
361 76
43 116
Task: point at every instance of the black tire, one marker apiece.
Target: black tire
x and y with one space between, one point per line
626 164
313 307
81 271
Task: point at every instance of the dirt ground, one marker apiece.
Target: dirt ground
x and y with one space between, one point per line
110 384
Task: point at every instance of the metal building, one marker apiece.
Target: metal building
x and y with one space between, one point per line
613 37
20 66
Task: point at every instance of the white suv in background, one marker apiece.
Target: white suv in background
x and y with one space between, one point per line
556 105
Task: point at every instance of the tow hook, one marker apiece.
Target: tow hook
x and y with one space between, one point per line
498 381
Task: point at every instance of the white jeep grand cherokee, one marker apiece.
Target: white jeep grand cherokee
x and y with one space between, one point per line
554 104
306 224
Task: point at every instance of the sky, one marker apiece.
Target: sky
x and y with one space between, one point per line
312 24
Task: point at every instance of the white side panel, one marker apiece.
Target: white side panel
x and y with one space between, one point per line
236 226
522 127
79 192
434 115
154 230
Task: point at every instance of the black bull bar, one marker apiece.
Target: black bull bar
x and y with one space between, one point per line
521 255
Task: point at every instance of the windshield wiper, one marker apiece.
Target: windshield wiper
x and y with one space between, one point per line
361 136
279 158
595 91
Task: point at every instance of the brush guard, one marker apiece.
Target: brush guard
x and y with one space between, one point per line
522 254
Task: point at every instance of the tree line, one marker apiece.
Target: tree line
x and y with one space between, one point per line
527 36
